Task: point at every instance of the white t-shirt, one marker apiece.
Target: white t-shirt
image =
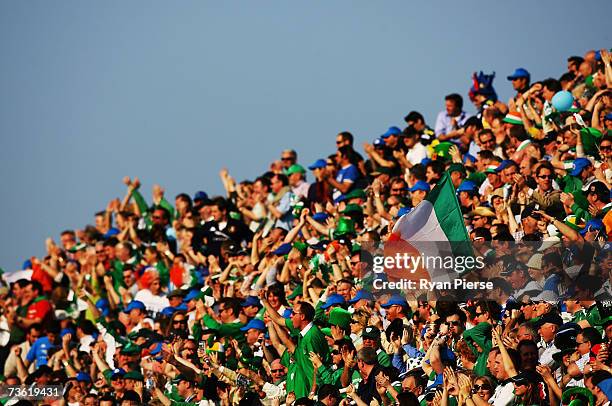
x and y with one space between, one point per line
416 154
153 303
503 395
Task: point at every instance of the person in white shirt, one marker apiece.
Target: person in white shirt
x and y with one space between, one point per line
152 297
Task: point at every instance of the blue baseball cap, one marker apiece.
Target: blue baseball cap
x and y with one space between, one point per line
579 165
318 164
134 304
333 299
157 349
362 295
519 73
193 294
469 157
168 311
593 224
287 313
378 142
104 306
283 249
68 331
118 373
256 324
251 301
420 185
320 217
83 377
200 195
111 232
504 164
391 131
608 116
467 186
395 300
402 211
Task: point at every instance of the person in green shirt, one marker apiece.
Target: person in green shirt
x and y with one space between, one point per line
309 339
371 338
227 324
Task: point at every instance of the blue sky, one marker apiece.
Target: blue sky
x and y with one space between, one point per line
173 91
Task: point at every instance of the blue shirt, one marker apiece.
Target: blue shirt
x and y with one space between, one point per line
39 351
349 174
443 122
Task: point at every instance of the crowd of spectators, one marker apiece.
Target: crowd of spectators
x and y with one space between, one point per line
259 296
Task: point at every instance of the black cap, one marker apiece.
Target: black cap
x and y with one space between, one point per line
131 396
526 377
550 317
566 336
601 190
371 332
528 212
176 293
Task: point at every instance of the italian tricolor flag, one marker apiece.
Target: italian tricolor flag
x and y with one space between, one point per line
435 228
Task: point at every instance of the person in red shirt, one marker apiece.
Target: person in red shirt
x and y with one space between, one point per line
38 309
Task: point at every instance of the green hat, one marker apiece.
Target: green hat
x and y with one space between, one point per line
300 246
355 248
296 292
295 168
135 375
590 139
355 194
339 317
345 226
588 81
130 349
455 167
574 222
581 393
352 208
78 247
442 149
477 177
326 331
491 169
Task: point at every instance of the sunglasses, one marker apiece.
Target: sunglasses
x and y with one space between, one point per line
545 176
454 323
286 158
484 386
277 371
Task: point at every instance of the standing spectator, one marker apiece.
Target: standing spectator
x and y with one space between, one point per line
453 117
